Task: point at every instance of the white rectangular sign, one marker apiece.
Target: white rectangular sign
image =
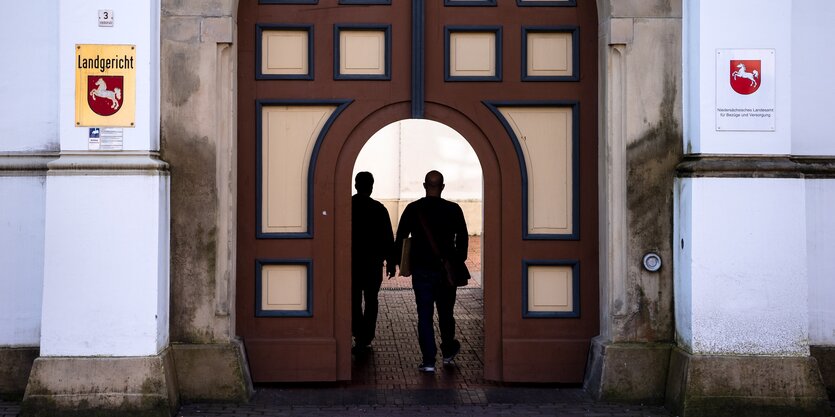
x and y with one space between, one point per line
106 18
745 90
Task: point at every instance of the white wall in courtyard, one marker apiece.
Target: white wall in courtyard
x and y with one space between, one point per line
400 155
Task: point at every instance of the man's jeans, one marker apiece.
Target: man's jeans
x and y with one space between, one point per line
431 290
365 284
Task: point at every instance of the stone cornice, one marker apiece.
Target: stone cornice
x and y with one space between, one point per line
25 163
755 166
108 163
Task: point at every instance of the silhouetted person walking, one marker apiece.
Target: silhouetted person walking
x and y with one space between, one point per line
447 227
372 240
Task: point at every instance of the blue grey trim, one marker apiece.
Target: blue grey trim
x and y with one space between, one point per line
496 29
288 1
341 104
364 1
259 29
575 279
575 163
418 76
568 3
575 50
469 3
369 27
259 264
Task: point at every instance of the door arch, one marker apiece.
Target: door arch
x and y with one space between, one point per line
491 237
501 112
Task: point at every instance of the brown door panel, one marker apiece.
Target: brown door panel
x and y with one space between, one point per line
289 360
544 360
317 348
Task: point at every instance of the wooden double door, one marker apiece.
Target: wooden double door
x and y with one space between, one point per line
518 79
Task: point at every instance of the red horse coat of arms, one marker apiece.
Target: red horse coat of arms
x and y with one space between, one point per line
745 75
105 97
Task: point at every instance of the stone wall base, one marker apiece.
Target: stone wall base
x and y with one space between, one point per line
212 372
825 355
15 365
102 387
627 372
740 386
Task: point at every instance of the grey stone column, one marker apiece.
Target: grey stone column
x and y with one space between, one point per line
640 145
198 135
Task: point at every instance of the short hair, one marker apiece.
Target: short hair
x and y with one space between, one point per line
364 181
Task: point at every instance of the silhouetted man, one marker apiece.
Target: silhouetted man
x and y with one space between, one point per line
434 218
371 244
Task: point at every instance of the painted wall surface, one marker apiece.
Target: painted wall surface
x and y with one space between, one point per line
104 286
21 259
813 90
29 77
820 200
747 266
135 23
739 24
683 260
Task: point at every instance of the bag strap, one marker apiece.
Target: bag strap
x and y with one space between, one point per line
429 235
431 238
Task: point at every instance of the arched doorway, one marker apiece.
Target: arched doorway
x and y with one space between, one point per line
398 156
317 80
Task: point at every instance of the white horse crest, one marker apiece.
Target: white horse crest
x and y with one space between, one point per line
742 73
103 92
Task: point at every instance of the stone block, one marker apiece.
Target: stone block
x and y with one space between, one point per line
627 372
217 29
102 387
199 8
15 365
212 372
825 356
643 8
741 386
181 29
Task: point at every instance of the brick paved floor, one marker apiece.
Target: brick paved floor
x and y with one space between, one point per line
386 381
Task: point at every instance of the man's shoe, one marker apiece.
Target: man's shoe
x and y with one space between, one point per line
451 357
427 367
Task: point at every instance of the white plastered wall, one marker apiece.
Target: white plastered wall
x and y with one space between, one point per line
820 200
135 23
106 268
21 259
813 89
812 135
106 258
740 24
745 262
29 77
743 268
28 130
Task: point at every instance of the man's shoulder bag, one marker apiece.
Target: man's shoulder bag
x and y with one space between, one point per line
456 271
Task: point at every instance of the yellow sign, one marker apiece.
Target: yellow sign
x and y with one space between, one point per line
105 85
